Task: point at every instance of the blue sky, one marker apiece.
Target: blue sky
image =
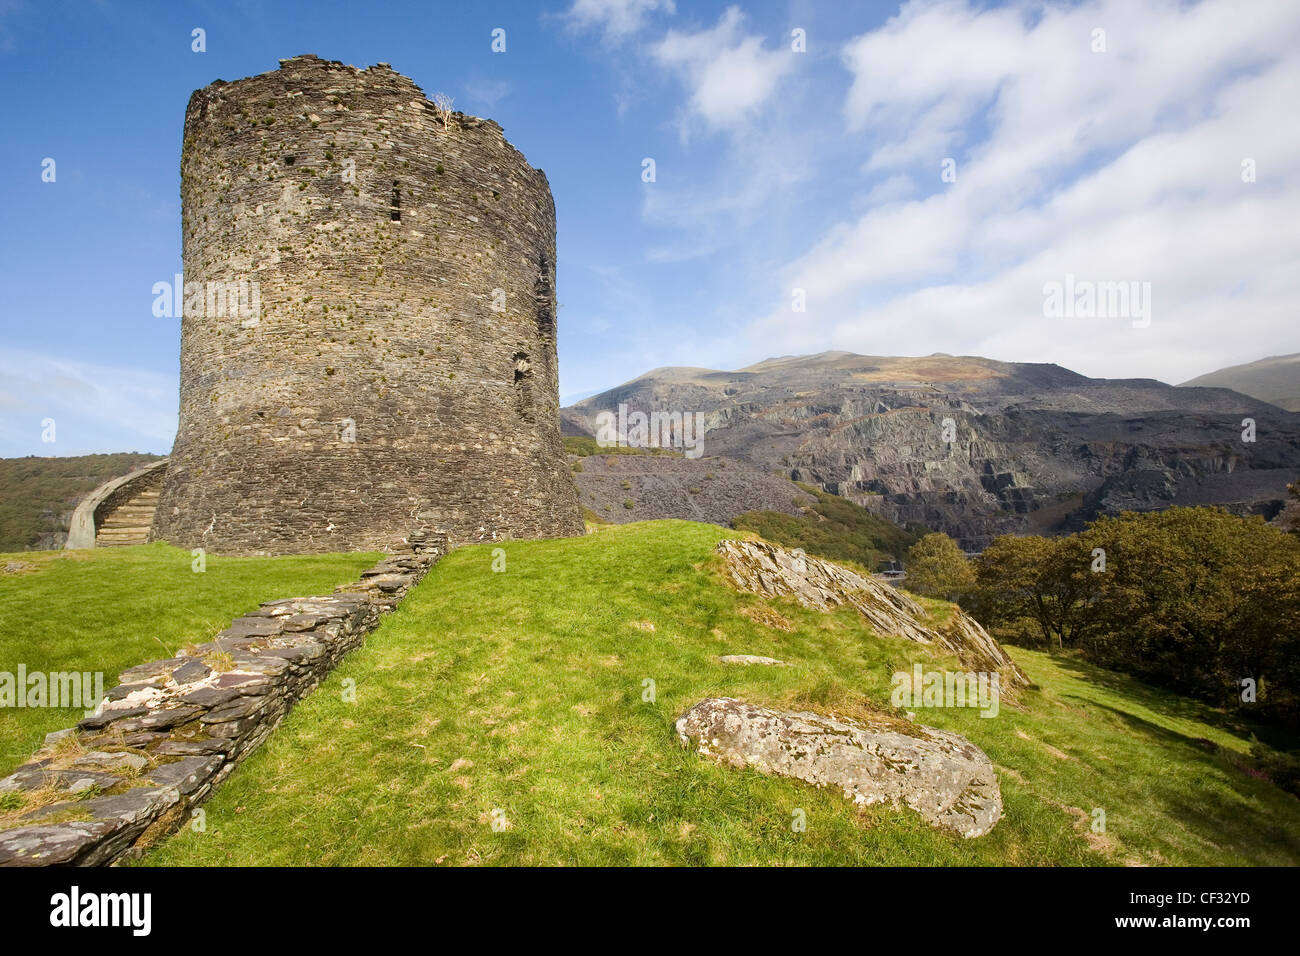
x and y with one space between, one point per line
776 170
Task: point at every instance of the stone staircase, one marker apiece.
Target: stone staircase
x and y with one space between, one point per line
128 524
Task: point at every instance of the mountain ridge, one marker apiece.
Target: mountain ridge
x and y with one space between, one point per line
1274 379
1034 447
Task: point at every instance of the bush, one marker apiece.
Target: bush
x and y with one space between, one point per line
937 568
1282 768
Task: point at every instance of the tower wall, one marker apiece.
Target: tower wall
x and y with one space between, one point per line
397 366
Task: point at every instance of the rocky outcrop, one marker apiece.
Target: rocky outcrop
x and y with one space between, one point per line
174 728
763 568
942 776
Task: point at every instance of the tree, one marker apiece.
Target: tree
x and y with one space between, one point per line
937 568
1263 642
1177 585
1196 599
1048 581
1289 519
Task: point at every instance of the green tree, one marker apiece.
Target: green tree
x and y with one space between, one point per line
1046 581
1263 641
1178 584
937 568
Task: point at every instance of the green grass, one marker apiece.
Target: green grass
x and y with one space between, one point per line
833 528
112 608
522 692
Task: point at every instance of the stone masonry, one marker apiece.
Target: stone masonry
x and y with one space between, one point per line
397 365
162 739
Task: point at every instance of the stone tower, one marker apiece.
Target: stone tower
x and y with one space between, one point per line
368 340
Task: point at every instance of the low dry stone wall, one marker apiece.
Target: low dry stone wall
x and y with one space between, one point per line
173 729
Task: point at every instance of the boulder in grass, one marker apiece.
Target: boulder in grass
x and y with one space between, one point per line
942 776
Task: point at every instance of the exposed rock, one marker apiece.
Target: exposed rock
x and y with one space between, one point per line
34 776
51 844
185 775
941 775
189 748
101 760
715 490
748 659
55 736
190 671
1035 448
769 569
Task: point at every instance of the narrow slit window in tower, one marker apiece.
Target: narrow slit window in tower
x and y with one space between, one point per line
544 296
396 214
524 386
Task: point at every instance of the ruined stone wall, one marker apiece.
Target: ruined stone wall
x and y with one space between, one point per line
161 740
377 237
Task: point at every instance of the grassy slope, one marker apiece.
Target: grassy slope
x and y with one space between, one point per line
835 528
109 609
36 492
522 692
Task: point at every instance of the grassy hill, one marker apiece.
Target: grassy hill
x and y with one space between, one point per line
833 528
1275 379
112 608
37 495
521 697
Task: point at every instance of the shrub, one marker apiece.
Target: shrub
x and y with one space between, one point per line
937 568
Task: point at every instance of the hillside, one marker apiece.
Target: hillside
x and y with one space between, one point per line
1275 379
622 488
1034 448
832 527
38 495
526 716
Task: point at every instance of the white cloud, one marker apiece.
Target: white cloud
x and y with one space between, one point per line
8 9
729 73
617 18
487 92
96 408
1123 165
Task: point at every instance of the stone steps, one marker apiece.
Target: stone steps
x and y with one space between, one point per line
128 524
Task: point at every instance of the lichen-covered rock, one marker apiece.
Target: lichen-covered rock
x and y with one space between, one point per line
941 775
769 569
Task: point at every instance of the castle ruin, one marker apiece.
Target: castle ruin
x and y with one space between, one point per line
380 351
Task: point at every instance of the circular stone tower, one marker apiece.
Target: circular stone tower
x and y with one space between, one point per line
368 338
